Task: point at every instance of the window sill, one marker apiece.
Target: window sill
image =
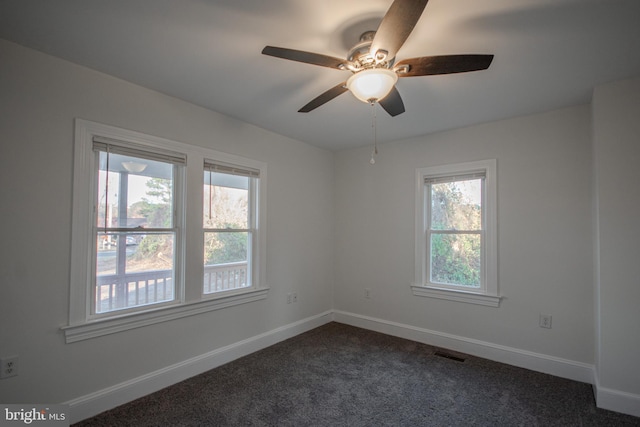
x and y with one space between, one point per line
456 295
97 328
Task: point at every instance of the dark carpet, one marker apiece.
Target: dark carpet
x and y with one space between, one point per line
339 375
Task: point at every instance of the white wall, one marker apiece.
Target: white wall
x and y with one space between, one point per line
544 235
39 98
616 143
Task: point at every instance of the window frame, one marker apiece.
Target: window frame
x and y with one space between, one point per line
487 294
190 299
177 228
211 165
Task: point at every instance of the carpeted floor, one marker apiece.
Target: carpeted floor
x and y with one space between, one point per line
338 375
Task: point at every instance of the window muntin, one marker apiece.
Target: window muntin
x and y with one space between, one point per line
135 233
454 230
228 217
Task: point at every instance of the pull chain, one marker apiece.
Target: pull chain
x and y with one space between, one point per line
210 191
374 120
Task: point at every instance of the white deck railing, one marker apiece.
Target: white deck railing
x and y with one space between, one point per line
222 277
116 292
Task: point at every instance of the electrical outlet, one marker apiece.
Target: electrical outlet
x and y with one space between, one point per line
294 297
9 367
545 321
289 298
367 293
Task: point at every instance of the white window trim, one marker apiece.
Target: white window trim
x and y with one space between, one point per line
488 295
190 299
109 326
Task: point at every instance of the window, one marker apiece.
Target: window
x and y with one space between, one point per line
137 227
456 254
136 200
229 226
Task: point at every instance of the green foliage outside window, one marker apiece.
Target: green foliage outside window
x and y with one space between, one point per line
222 248
159 214
225 208
455 257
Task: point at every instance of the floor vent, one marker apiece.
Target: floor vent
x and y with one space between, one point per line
448 356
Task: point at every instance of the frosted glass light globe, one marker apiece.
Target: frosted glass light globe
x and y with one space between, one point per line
372 84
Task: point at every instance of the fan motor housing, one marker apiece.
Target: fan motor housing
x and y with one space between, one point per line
360 54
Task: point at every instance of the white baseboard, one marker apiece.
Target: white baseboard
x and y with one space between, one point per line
559 367
615 400
102 400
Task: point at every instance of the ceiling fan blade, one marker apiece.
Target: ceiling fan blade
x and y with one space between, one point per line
396 26
392 103
324 97
445 64
306 57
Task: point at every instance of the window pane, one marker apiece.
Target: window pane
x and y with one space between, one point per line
225 260
134 192
456 205
133 270
455 259
226 201
225 247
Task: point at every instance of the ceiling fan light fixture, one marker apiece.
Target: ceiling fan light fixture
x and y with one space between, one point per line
134 167
372 84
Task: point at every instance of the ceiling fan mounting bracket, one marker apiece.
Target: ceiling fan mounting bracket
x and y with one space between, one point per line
367 36
361 57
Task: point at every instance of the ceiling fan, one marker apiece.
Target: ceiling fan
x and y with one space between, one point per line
372 61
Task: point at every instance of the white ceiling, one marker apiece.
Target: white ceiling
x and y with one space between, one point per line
548 54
